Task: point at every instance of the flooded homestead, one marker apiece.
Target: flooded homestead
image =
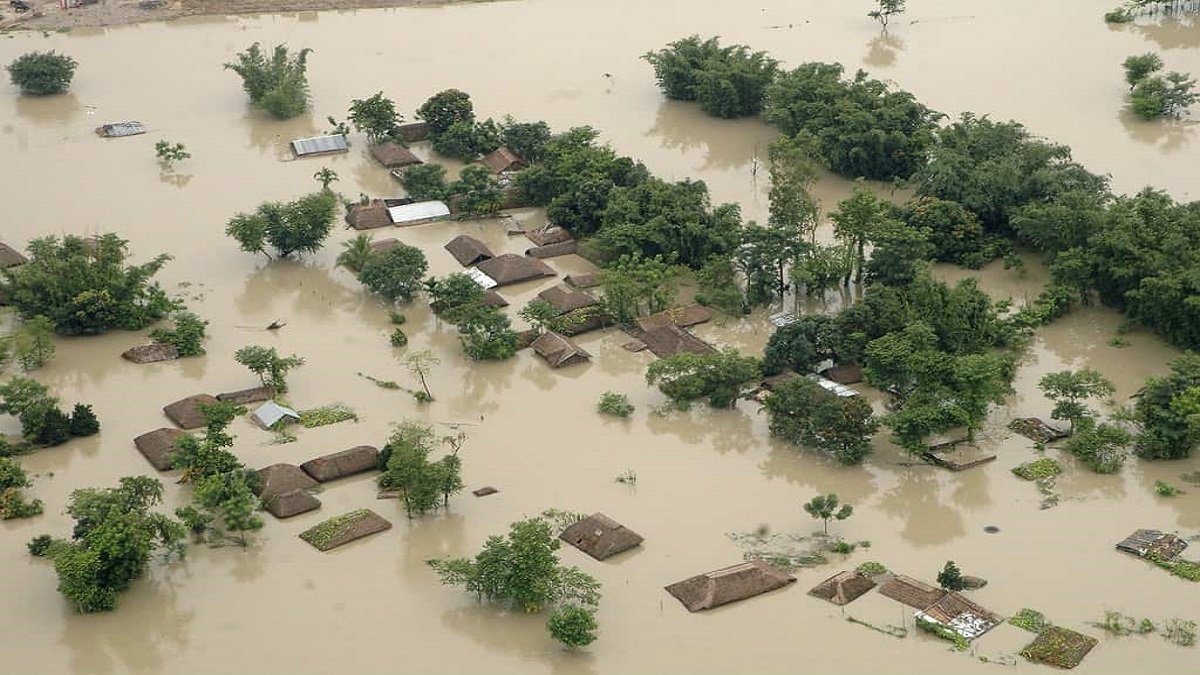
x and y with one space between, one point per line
279 606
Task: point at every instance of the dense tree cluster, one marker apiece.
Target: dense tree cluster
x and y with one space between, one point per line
12 504
43 423
223 490
726 81
804 413
278 85
423 484
42 73
453 129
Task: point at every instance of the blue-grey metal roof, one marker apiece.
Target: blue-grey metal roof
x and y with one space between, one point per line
319 145
122 129
271 412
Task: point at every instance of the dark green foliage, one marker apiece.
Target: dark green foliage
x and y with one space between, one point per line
12 505
279 85
1100 446
84 421
446 108
717 287
956 234
1168 409
1154 96
901 253
301 226
726 81
573 626
459 141
84 286
676 220
223 492
398 338
802 344
454 296
856 221
356 252
1138 67
39 546
42 73
950 578
425 181
423 485
395 273
617 405
527 139
187 336
271 368
825 508
376 116
486 333
481 191
804 413
718 378
634 286
34 343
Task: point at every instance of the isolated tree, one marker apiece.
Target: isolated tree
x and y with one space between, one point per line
951 578
804 413
825 508
187 336
1164 96
278 85
355 253
300 226
481 191
573 626
325 176
376 116
395 273
42 73
271 368
445 108
686 377
885 10
33 343
420 364
1068 389
421 483
84 421
425 181
486 333
1140 66
208 455
1100 446
168 153
84 286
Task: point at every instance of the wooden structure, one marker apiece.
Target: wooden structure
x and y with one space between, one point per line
151 353
468 250
956 612
368 216
278 488
664 341
413 131
566 299
503 160
1152 543
842 588
600 536
547 235
909 591
510 268
559 350
185 412
156 446
729 584
959 456
583 281
394 155
343 529
341 464
1036 430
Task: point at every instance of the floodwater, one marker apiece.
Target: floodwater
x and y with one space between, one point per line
281 607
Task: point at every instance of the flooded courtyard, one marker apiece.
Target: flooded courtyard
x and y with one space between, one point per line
533 432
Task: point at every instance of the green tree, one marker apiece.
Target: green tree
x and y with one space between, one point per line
1168 409
825 508
718 377
278 85
885 9
42 73
325 176
855 221
445 108
1101 447
718 286
901 253
482 195
800 345
573 626
1068 389
409 471
356 253
454 296
206 456
84 286
168 153
84 421
425 181
978 381
527 139
34 343
460 141
12 505
804 413
376 116
1164 96
300 226
187 336
955 233
486 333
271 368
19 394
634 286
420 364
674 220
395 273
1138 67
950 578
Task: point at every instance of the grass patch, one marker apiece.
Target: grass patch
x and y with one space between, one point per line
842 546
1180 631
1184 569
1117 623
1165 489
871 569
382 384
1031 620
283 436
341 529
1038 469
617 405
326 414
1061 647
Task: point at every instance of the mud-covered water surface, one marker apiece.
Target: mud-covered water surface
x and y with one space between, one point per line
280 606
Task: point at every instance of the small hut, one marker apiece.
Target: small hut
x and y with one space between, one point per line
368 216
119 129
729 584
688 315
664 341
600 536
156 446
151 353
559 350
582 281
503 160
341 464
468 250
271 413
320 145
393 155
344 529
842 588
843 374
244 396
418 212
547 235
291 503
525 338
413 131
10 257
510 268
1152 543
553 250
909 591
384 244
277 485
960 615
566 299
185 412
493 299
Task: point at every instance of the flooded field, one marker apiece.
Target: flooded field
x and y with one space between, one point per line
281 607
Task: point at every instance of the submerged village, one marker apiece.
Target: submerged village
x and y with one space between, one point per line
500 390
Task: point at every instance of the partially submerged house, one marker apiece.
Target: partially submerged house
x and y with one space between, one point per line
1152 544
956 612
958 456
566 299
10 257
670 339
384 244
912 592
271 413
468 250
320 145
559 350
1060 647
369 216
185 412
484 281
156 446
284 490
251 395
729 584
553 250
582 281
393 155
418 212
503 160
688 315
510 268
412 131
842 588
119 129
343 529
151 353
548 234
341 464
600 536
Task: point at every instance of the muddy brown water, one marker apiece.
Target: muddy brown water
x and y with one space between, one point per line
282 607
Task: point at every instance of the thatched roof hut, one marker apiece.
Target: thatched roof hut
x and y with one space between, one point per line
581 281
729 584
468 250
1058 646
525 338
664 341
566 299
344 529
185 413
550 234
277 481
1147 543
244 396
503 160
510 268
341 464
384 244
960 615
559 350
413 131
291 503
151 353
553 250
493 299
368 216
156 446
909 591
689 315
844 374
842 588
393 155
600 536
10 257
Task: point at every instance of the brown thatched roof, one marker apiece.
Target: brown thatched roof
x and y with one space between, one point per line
579 321
566 299
583 280
842 588
502 160
961 615
911 592
844 374
185 413
493 299
526 337
510 268
291 503
729 584
278 479
683 317
244 396
600 536
10 257
545 236
156 446
553 250
384 244
151 353
1058 646
559 350
413 131
468 250
344 529
341 464
368 216
393 155
1152 542
670 339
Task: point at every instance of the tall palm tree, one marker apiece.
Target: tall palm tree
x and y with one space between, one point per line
355 253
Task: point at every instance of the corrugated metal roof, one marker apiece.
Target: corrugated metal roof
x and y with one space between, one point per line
118 129
834 388
781 319
480 278
271 412
320 145
411 213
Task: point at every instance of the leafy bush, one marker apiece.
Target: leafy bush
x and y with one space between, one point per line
1038 469
187 337
425 181
39 546
42 73
951 578
395 273
1031 620
398 338
617 405
13 506
573 626
278 85
871 569
84 421
1165 489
